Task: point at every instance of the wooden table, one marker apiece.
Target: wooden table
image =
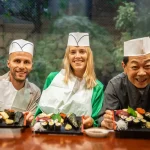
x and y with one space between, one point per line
16 139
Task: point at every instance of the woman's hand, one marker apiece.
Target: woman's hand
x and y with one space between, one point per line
87 121
108 121
29 116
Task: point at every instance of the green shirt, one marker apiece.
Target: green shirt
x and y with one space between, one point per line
97 97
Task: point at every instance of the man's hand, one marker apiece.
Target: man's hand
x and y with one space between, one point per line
108 121
87 121
29 116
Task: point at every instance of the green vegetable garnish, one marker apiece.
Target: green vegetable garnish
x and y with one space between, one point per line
132 112
56 116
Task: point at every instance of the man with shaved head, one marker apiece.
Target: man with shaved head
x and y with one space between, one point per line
16 92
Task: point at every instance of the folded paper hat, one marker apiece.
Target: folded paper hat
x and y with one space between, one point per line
137 47
78 39
21 45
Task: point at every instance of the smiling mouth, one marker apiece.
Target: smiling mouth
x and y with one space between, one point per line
141 80
21 73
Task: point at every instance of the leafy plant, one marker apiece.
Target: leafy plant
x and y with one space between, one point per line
52 47
126 18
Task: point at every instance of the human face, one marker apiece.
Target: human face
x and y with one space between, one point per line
138 70
20 65
78 59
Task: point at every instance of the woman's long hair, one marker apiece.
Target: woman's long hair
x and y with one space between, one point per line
89 74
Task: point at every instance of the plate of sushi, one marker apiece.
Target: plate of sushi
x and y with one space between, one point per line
130 123
12 119
58 124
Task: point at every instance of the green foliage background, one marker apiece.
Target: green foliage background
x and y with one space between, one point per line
132 20
50 50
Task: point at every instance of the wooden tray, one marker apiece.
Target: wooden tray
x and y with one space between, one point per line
63 131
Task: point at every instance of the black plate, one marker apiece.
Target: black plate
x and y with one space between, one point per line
63 131
4 125
132 132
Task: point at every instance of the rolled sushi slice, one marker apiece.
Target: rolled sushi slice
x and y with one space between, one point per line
129 120
147 116
44 124
57 126
73 120
136 123
18 116
51 125
143 123
1 119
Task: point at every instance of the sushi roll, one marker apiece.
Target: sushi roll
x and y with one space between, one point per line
147 116
72 120
18 116
57 126
148 125
51 125
44 124
143 123
1 119
129 120
136 123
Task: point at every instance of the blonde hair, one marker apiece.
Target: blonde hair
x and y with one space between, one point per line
89 74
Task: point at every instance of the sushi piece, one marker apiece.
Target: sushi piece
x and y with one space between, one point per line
1 119
121 112
51 125
57 126
129 120
136 123
62 121
123 117
11 113
143 123
9 121
140 111
4 115
68 126
18 116
72 120
148 125
147 116
44 124
139 116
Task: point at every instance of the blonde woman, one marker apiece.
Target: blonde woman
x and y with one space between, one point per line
75 88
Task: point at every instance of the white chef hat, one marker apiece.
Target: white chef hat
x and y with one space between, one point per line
21 45
137 47
78 39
